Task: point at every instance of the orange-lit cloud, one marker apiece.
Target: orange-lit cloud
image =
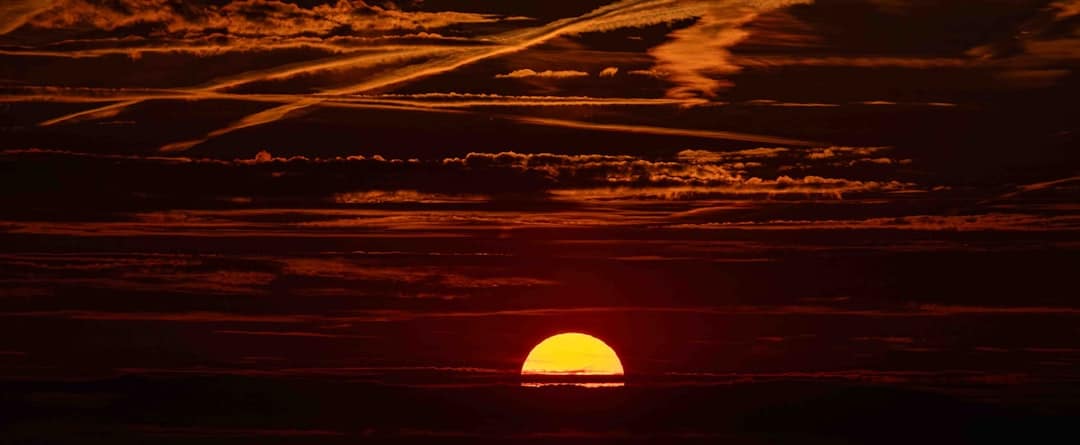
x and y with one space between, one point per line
622 14
404 196
968 223
15 13
1064 183
834 152
245 17
721 156
665 131
759 61
524 73
695 58
686 175
1066 8
648 73
776 103
809 187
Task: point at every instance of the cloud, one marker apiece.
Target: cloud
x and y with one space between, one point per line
96 113
621 14
775 103
217 433
405 196
420 101
176 317
697 56
15 13
1043 51
350 371
1066 8
396 315
434 277
137 47
374 182
648 73
759 61
295 334
699 156
1036 78
245 17
968 223
333 275
549 74
616 171
601 169
461 100
190 274
889 340
688 168
610 71
937 377
298 105
781 29
810 187
665 131
1068 185
836 152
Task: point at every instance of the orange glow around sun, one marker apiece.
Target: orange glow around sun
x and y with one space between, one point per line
572 353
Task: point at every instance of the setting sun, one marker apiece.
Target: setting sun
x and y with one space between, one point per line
572 353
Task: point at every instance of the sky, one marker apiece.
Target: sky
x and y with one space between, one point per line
414 193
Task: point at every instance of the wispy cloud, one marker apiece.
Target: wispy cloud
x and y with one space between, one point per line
15 13
293 334
762 61
396 315
200 432
934 377
665 131
622 14
1066 8
718 29
436 277
967 223
244 17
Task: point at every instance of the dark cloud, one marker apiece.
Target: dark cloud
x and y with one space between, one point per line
374 179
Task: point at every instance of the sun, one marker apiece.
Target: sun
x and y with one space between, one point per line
572 353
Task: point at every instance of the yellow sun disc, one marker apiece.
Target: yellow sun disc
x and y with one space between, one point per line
572 353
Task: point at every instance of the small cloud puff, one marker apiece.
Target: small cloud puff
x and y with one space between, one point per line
523 73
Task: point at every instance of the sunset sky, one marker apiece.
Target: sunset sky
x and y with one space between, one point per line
413 194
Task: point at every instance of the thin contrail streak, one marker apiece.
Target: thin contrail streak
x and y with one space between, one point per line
617 15
291 104
665 131
620 14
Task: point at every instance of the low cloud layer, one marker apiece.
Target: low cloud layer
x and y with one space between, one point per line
525 73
